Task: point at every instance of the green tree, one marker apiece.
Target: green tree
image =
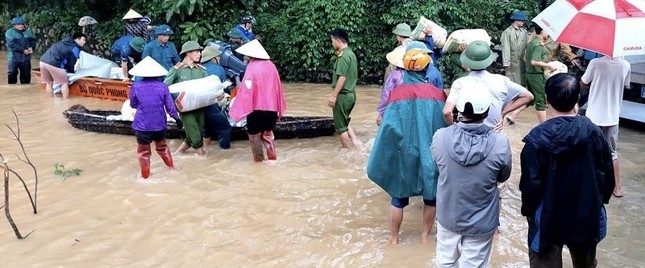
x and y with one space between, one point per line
294 32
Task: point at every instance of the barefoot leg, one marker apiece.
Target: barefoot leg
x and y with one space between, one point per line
345 140
49 89
617 191
429 213
199 151
396 217
541 115
182 148
352 135
64 89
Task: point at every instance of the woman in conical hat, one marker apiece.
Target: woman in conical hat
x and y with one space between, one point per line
138 25
394 79
151 98
398 162
260 99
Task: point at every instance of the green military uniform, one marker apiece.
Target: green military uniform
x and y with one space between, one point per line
535 80
513 46
193 120
458 70
346 65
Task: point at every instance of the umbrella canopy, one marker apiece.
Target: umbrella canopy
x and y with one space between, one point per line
610 27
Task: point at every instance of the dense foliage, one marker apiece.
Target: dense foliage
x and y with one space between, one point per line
294 32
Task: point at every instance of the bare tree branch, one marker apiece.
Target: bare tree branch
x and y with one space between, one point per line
33 205
21 160
6 199
16 134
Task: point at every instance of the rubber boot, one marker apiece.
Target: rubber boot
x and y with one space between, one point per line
164 152
144 152
267 139
256 147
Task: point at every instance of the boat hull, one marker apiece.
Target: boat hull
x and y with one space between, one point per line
101 88
289 127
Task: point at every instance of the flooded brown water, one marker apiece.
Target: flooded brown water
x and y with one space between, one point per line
314 207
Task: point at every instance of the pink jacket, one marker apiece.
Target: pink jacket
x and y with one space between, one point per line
260 90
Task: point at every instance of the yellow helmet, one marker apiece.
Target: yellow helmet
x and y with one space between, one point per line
416 60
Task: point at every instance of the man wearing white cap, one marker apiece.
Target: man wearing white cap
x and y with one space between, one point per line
260 99
152 99
472 159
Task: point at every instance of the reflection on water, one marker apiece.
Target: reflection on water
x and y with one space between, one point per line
313 207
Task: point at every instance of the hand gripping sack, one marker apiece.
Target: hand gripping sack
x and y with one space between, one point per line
439 34
197 93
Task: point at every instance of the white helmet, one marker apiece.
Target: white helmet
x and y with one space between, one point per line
479 97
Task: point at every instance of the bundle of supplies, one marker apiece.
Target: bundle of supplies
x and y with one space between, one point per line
465 37
197 93
439 34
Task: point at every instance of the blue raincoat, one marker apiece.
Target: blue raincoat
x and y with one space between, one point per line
401 162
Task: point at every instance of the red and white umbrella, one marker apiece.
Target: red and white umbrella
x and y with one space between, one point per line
611 27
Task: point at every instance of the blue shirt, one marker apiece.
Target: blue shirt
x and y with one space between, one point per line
77 53
122 48
216 69
165 54
436 52
433 76
246 35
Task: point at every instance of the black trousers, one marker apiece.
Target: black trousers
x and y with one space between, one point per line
147 137
581 257
25 72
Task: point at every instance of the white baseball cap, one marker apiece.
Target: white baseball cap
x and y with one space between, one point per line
479 97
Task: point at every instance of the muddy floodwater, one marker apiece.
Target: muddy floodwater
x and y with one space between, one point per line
313 207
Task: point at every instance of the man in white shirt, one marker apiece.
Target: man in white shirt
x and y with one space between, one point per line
608 78
507 95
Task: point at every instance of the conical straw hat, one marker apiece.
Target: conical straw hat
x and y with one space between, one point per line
395 57
253 49
148 67
132 15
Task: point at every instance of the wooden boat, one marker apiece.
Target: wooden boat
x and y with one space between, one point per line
102 88
289 127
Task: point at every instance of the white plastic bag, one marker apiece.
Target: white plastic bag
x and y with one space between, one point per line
465 36
439 34
197 93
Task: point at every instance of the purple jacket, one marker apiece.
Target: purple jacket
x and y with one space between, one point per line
394 79
150 97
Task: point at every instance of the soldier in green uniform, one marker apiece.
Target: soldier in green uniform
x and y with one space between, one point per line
514 40
343 96
189 69
537 59
459 70
403 31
